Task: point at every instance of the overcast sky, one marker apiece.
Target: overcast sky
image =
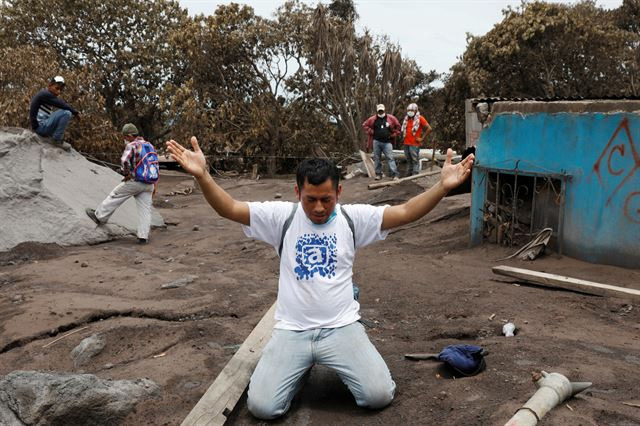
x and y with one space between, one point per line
432 32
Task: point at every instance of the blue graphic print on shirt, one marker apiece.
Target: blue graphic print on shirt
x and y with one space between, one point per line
316 254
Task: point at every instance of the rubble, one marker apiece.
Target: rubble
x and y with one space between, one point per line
39 398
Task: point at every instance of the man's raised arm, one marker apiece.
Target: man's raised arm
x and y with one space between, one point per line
420 205
195 164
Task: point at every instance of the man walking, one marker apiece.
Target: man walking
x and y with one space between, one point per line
382 128
316 314
49 115
140 169
415 129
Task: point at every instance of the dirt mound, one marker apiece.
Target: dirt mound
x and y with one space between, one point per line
45 190
29 251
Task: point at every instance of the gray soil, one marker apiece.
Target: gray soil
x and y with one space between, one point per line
422 289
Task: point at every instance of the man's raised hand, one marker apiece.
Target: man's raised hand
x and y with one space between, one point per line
193 162
454 175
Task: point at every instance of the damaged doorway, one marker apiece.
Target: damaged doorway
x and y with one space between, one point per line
518 205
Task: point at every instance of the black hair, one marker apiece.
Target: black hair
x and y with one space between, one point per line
316 171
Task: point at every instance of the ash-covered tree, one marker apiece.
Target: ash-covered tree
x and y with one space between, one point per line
239 98
348 75
627 18
544 50
550 50
444 108
123 42
344 9
91 132
219 54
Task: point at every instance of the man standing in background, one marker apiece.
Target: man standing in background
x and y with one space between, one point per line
382 128
415 129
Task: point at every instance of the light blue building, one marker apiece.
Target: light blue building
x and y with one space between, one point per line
573 166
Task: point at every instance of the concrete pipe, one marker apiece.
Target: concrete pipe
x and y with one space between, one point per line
553 388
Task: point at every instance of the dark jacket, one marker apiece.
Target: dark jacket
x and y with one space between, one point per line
394 124
46 100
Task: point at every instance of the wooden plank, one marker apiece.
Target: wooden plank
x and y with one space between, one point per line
223 394
559 281
368 164
433 154
395 182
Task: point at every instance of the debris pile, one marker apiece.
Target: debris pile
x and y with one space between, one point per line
32 397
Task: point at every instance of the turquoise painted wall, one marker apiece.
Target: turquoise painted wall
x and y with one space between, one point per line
600 151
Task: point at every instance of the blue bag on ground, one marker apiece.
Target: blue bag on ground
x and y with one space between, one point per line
467 360
148 169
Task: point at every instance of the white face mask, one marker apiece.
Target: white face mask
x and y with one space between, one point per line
381 114
411 113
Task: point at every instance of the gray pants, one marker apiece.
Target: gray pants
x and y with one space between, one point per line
412 154
142 192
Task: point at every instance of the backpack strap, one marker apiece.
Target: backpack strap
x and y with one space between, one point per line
142 159
151 151
287 224
350 223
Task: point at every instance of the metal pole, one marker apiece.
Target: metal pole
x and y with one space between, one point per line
514 206
433 155
533 203
497 209
563 188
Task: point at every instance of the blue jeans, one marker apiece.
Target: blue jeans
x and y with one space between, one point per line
386 148
289 356
55 124
412 154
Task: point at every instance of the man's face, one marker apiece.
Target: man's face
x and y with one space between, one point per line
318 201
380 113
128 138
56 89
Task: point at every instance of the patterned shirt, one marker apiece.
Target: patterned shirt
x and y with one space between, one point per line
131 156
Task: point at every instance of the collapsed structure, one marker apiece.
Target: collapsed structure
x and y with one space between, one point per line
573 166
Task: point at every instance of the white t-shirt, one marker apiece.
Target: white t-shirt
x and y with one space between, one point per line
315 289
